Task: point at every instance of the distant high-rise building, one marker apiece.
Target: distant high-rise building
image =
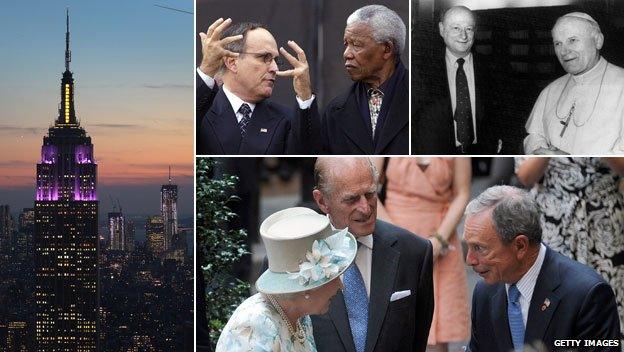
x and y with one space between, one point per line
130 232
66 236
6 228
116 230
169 211
17 337
26 232
155 233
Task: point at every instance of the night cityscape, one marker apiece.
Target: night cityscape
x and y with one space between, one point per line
70 281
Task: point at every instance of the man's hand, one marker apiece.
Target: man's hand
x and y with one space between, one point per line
549 151
300 72
213 47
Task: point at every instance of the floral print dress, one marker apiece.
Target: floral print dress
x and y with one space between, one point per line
583 217
256 326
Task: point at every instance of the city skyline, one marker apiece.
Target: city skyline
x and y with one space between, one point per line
133 91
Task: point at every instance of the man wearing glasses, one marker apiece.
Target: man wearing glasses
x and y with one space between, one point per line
236 117
457 94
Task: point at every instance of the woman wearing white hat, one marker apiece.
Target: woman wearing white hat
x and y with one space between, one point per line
306 258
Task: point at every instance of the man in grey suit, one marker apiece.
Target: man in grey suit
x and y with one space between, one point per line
387 301
530 294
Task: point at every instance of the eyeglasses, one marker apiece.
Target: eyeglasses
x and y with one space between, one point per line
457 30
267 58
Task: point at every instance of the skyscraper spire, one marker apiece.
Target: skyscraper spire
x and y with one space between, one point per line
67 114
169 174
67 51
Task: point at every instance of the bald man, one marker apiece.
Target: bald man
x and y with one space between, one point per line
459 94
581 112
387 302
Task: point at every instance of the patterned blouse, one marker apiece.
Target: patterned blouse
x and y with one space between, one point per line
256 326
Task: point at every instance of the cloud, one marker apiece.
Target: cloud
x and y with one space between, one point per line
17 163
7 129
114 125
168 86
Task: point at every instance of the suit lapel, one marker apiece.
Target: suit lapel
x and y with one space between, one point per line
479 86
353 126
544 301
222 118
260 130
338 315
383 273
498 316
397 116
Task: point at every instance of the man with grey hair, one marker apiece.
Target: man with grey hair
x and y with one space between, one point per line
387 300
581 112
238 118
530 294
372 116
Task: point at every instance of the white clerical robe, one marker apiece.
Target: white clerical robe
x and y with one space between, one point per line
596 124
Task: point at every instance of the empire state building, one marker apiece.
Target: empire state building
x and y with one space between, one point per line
66 239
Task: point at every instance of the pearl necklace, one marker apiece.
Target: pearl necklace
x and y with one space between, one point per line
298 334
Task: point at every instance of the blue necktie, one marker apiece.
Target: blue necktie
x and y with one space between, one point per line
514 313
245 110
356 301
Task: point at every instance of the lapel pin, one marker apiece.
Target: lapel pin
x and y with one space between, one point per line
545 305
263 130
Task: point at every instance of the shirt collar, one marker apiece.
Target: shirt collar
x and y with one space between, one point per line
526 284
235 101
594 73
451 59
365 240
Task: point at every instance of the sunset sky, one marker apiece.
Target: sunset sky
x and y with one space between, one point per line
133 69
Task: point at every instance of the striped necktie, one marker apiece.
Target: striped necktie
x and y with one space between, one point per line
245 110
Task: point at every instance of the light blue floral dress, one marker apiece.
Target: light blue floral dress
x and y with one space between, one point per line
256 326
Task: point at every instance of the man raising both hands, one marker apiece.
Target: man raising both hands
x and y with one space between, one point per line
237 117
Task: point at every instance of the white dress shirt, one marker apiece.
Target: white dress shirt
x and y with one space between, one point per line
451 71
526 285
210 82
364 259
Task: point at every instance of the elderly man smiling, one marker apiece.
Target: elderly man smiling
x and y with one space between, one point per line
583 111
372 116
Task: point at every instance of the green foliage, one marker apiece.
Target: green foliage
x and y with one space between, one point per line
220 246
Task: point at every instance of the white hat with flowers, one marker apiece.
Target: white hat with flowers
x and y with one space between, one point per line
304 252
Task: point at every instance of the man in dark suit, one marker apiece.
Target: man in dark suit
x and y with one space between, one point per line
459 91
387 300
238 118
530 295
372 116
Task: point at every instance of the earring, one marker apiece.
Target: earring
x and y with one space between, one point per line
306 295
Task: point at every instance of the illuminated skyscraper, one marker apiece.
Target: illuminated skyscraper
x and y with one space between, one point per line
66 239
6 229
155 233
116 231
169 211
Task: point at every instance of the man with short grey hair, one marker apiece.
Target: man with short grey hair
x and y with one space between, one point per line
372 116
387 300
530 294
581 112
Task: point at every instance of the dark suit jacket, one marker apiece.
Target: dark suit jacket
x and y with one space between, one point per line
344 132
432 125
401 261
274 129
582 306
